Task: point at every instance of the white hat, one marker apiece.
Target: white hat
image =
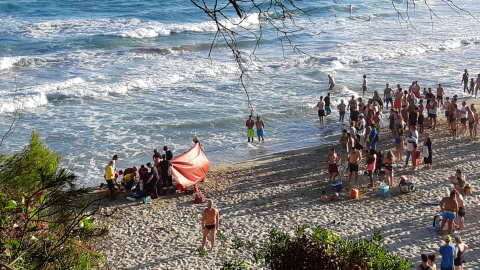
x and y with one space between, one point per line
360 115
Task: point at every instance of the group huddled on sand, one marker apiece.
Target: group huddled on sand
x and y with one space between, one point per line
409 115
154 183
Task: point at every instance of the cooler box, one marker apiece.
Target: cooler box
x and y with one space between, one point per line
354 193
337 185
383 190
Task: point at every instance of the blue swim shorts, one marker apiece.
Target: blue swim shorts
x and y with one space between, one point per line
447 113
328 108
448 214
260 132
342 113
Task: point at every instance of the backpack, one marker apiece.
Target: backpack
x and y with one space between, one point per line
468 190
199 198
426 267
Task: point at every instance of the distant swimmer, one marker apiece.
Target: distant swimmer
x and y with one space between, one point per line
250 124
351 8
260 129
331 82
364 85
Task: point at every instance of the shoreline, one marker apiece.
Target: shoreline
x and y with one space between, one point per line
281 190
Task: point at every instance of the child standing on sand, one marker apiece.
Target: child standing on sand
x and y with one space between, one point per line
399 143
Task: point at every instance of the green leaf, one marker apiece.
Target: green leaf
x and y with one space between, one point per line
11 205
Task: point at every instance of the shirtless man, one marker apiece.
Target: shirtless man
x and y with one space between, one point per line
328 104
210 222
331 82
471 122
321 109
332 166
260 126
440 93
397 105
449 208
354 157
461 210
341 110
250 124
465 81
364 85
416 88
352 104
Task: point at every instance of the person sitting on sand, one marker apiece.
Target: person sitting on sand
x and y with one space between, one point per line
449 208
424 265
332 165
324 197
354 157
210 222
448 253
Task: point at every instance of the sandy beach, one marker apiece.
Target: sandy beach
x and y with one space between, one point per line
282 191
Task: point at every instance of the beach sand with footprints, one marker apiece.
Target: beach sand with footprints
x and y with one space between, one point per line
282 191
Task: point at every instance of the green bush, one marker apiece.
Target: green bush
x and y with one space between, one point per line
44 220
320 250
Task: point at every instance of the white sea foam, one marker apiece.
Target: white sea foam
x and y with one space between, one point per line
132 28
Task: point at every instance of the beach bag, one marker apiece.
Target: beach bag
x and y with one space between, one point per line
425 152
468 190
199 198
191 189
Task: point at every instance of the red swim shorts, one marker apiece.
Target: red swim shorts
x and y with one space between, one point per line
332 168
397 104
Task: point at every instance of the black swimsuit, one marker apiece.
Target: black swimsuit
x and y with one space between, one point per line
210 227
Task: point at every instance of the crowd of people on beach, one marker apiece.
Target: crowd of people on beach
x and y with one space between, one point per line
412 113
155 179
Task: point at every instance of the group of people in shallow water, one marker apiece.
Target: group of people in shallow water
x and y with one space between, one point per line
409 116
155 178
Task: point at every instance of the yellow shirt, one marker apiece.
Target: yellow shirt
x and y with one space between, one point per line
127 178
109 173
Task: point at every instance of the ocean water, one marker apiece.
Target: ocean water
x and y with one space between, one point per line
97 78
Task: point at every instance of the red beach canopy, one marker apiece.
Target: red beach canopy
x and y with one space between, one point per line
190 167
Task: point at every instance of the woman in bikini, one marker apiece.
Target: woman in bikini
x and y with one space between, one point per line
388 162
